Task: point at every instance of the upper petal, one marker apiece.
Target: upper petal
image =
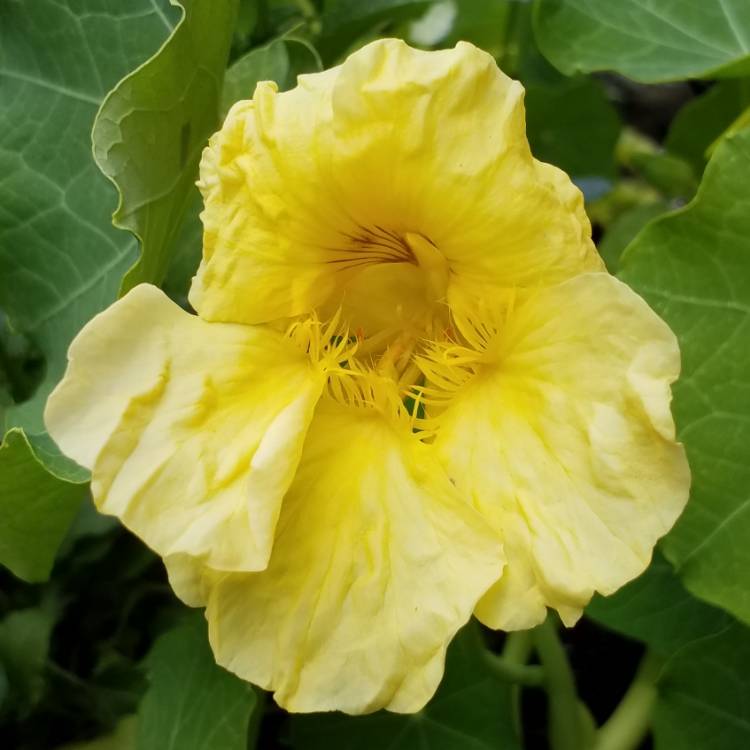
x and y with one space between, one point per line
307 189
564 440
192 430
265 218
376 564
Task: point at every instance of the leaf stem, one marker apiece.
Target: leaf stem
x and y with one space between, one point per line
565 726
630 721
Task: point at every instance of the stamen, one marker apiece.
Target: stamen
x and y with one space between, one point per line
329 344
432 263
473 341
362 387
349 381
397 357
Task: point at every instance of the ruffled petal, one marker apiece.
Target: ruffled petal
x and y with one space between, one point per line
376 564
335 176
266 232
562 437
192 430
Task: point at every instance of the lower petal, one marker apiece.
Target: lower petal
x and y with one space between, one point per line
566 444
192 430
377 563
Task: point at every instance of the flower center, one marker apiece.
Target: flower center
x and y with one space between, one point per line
391 301
378 245
393 284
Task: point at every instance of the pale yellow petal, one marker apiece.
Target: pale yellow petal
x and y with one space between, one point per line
563 438
189 578
192 430
376 564
308 189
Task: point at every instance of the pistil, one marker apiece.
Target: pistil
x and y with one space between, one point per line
432 262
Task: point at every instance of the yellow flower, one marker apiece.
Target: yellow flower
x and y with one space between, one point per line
411 392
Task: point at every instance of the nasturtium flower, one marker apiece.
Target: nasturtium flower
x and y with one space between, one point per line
411 392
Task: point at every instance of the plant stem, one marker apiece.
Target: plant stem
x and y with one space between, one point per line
565 727
518 647
307 7
512 671
509 50
630 721
516 650
253 727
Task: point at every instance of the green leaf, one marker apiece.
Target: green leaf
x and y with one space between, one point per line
151 129
485 23
656 609
21 366
623 230
647 40
531 66
693 267
192 704
24 644
248 14
36 510
123 738
344 21
187 252
573 125
281 60
472 710
60 260
704 695
701 121
736 126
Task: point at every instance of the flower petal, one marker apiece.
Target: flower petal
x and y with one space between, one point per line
439 139
189 577
376 564
564 440
333 177
261 217
192 430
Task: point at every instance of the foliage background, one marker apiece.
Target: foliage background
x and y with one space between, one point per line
645 104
